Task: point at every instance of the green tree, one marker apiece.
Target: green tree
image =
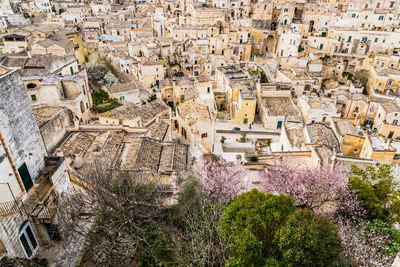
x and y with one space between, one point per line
309 240
252 222
151 98
376 192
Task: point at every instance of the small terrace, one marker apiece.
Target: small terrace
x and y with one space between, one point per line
38 201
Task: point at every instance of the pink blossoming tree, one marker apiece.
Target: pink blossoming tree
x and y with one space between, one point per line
362 246
320 190
220 181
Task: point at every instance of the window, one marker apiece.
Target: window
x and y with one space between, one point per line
208 89
279 125
353 15
390 135
376 40
321 46
380 18
31 86
122 98
33 97
395 122
204 135
182 97
349 39
390 82
340 38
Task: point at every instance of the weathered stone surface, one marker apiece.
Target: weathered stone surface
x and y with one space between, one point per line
18 125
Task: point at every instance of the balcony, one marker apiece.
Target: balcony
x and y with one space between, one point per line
39 200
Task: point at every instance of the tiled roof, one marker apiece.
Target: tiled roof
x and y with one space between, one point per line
43 114
193 112
118 151
280 106
146 113
323 135
158 130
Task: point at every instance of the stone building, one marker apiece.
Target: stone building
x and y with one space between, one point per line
30 182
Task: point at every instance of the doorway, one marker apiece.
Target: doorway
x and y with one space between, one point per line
28 240
25 177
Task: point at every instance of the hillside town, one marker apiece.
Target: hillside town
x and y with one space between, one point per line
174 132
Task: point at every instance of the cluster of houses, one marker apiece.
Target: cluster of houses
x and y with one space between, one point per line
250 81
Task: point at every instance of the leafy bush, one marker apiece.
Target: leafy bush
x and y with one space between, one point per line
254 159
252 222
100 96
151 98
106 107
309 240
376 191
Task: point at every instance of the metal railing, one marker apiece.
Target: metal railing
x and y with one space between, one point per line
9 208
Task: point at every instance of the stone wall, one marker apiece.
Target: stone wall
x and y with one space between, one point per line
60 178
54 130
18 125
9 234
9 230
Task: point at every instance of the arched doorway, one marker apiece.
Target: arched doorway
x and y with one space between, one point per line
82 107
28 240
3 250
270 44
70 116
311 26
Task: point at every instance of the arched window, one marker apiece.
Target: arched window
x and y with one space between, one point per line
82 107
31 85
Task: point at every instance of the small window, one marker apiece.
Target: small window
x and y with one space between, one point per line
182 97
33 97
204 135
31 86
380 18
